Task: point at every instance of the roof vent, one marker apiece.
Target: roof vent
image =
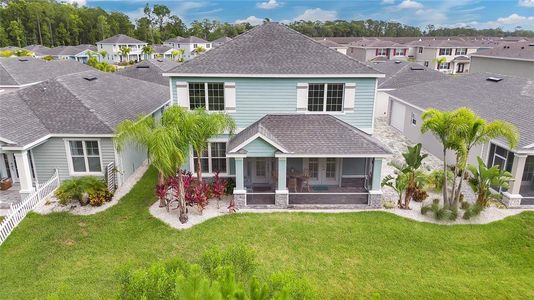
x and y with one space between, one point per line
398 61
417 68
23 59
494 79
160 60
531 45
142 67
90 78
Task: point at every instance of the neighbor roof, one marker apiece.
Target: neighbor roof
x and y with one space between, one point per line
72 104
176 39
330 44
221 40
37 49
120 38
317 134
400 74
192 39
161 48
273 49
511 99
69 50
150 70
376 43
518 50
27 70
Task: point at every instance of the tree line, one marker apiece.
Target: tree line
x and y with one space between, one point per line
50 23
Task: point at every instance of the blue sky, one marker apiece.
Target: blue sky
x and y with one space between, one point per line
479 14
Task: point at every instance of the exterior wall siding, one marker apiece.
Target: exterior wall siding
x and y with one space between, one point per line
52 155
131 158
502 66
257 97
260 148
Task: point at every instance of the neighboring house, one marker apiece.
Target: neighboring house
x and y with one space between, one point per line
80 53
399 74
67 123
19 72
304 115
333 45
493 97
189 45
38 50
161 51
114 44
516 59
377 50
220 41
150 70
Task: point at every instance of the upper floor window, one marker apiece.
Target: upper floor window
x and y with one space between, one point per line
195 45
399 52
213 159
84 156
445 51
325 97
420 49
461 51
209 95
444 66
382 52
208 46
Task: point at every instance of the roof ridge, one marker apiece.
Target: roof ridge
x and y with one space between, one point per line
9 74
394 75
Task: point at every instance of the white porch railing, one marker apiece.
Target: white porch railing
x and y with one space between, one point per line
18 211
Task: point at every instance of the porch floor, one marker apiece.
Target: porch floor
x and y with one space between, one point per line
10 196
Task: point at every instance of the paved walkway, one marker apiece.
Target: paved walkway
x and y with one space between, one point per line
10 196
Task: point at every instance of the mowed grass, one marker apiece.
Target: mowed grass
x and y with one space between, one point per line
344 255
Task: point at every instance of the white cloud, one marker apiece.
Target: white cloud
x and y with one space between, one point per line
526 3
317 14
388 1
514 19
409 4
268 5
79 2
253 20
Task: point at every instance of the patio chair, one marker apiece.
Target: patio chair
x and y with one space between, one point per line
306 181
292 184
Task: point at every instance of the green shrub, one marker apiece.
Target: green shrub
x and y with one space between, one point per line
389 204
472 210
97 198
435 179
48 58
440 213
240 258
74 188
464 205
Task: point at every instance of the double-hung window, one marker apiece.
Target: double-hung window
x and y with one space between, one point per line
399 52
209 95
461 51
444 66
213 159
445 51
325 97
84 156
420 50
381 52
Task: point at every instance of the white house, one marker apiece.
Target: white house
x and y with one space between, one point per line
114 44
189 45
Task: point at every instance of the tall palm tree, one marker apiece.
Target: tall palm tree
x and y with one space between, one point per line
206 126
103 53
124 52
147 51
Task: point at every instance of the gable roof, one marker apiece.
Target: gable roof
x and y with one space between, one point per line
149 70
400 74
69 50
273 49
71 104
120 38
27 70
518 50
193 39
221 40
161 48
309 134
511 99
176 39
37 49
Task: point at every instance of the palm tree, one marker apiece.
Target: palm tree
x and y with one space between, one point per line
208 125
199 50
166 143
103 53
438 61
124 52
147 51
483 178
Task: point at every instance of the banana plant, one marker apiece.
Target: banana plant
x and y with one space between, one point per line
484 179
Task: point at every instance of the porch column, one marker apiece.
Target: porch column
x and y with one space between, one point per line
282 194
512 198
375 194
240 194
25 174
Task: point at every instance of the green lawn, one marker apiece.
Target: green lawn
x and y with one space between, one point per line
344 255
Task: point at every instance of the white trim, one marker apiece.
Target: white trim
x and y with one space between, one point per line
258 135
69 157
192 160
6 141
290 155
67 135
236 155
225 75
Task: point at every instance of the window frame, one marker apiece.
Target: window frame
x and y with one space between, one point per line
398 52
463 52
325 98
206 95
85 156
379 52
445 63
420 50
413 119
446 51
210 172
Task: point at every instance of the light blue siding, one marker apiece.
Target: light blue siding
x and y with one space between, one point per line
256 97
52 155
259 148
353 166
377 174
131 158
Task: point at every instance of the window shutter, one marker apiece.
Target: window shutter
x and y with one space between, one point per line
348 96
376 52
229 96
302 96
182 94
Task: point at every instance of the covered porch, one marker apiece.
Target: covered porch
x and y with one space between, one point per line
274 171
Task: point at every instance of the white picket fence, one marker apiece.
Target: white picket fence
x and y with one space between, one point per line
18 211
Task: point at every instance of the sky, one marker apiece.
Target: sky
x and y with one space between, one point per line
507 14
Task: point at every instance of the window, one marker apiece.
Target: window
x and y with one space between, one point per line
85 156
213 158
461 51
445 51
382 52
414 119
420 49
332 100
444 66
330 168
313 168
208 46
399 52
195 45
426 63
498 156
206 94
260 167
528 173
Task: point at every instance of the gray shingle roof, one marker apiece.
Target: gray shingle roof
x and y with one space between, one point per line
312 135
174 40
376 43
519 50
400 74
192 39
25 70
69 50
150 70
160 49
221 40
273 49
71 104
37 49
511 99
120 38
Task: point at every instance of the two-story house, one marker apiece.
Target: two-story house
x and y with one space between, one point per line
304 114
114 44
190 45
508 58
378 50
